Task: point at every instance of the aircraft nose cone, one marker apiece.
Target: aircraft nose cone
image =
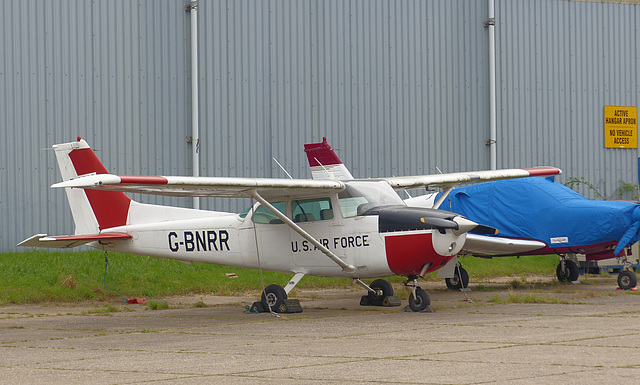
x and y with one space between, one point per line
465 225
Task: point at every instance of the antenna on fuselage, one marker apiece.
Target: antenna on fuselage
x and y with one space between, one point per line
283 169
329 174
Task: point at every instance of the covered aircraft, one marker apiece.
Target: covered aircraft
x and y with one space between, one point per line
535 216
565 221
357 228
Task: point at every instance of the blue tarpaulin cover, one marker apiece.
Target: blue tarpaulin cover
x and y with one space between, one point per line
544 210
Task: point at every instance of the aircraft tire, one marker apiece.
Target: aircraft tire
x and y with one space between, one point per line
420 301
385 287
458 282
571 272
627 279
274 297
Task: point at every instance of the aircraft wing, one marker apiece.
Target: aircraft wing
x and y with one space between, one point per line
68 241
483 246
204 186
445 180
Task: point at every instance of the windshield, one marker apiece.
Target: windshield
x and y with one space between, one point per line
359 196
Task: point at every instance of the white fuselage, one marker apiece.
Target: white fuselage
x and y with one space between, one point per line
235 241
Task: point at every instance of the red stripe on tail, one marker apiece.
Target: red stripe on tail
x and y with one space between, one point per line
321 154
111 208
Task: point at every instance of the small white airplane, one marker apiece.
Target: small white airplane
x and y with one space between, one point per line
354 228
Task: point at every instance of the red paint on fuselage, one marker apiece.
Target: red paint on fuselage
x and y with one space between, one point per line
408 253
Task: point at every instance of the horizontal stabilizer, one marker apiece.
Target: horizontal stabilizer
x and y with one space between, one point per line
483 246
68 241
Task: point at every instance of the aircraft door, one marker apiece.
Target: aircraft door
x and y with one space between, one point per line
273 238
315 216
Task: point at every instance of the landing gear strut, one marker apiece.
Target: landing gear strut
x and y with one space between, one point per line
381 290
567 270
418 299
275 300
627 279
380 293
460 279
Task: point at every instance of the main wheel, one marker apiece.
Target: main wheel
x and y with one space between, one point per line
627 279
274 297
460 279
570 272
380 285
420 301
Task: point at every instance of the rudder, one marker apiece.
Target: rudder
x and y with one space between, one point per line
92 210
324 162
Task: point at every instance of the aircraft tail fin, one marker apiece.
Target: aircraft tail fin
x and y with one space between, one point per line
92 210
324 162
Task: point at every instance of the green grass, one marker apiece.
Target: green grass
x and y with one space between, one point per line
510 266
42 276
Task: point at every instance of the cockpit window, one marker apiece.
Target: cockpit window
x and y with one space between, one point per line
359 196
309 210
264 215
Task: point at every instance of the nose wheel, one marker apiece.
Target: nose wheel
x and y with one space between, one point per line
460 279
419 299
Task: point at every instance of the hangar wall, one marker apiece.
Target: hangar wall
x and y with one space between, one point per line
398 88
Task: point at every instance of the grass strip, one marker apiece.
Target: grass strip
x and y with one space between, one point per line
37 276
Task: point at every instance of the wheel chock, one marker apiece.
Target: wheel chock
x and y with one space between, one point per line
291 306
428 309
391 300
256 308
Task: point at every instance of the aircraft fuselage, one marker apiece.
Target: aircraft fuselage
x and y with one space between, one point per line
236 241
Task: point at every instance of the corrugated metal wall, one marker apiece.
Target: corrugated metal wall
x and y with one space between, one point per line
398 87
559 64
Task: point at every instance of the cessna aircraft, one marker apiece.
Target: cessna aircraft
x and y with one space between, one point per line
357 228
535 216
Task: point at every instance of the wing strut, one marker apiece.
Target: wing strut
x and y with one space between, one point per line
442 197
347 268
293 282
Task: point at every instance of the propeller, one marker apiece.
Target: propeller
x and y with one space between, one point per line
467 226
404 218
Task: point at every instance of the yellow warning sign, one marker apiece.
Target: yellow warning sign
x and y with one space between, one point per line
620 127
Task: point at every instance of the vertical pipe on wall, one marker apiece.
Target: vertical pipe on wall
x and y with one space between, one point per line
492 86
195 131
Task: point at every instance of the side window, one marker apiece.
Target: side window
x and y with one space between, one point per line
309 210
349 201
263 215
349 205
